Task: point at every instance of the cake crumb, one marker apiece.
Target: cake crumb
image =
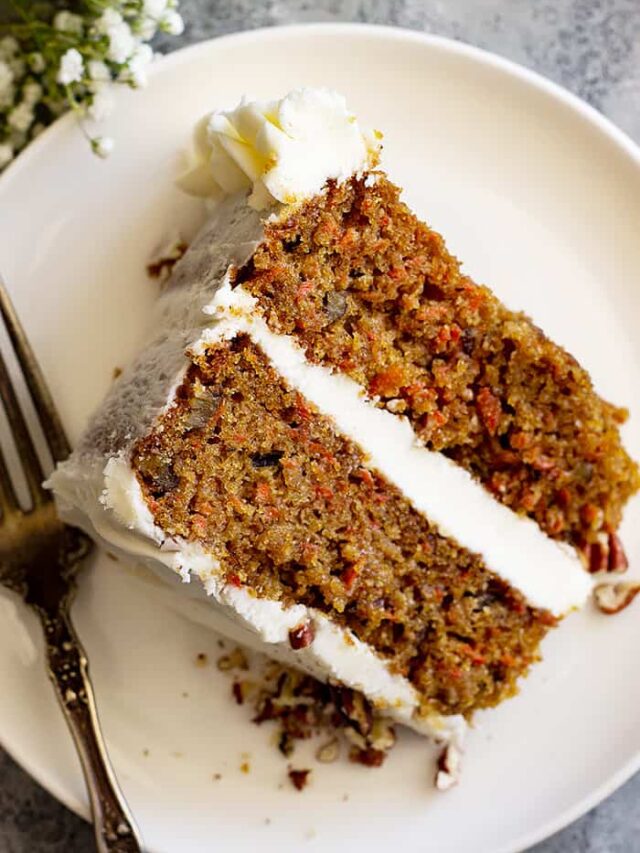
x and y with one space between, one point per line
245 766
234 660
201 659
185 695
216 777
111 556
145 752
117 371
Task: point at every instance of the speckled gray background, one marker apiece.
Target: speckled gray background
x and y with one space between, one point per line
590 46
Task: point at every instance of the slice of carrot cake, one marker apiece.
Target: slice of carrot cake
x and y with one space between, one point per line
373 468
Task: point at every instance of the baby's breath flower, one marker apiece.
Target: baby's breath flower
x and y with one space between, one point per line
31 92
36 62
6 76
121 43
172 23
6 154
145 28
101 105
136 71
67 22
69 59
8 47
98 71
18 67
17 139
154 8
21 117
7 97
108 19
102 146
71 67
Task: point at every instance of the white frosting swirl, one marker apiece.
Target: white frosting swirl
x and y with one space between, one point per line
283 151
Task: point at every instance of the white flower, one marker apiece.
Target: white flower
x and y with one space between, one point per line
172 23
71 67
37 63
19 67
21 117
31 92
98 71
146 28
108 19
102 146
8 47
67 22
17 139
137 65
121 40
154 8
121 43
7 97
6 77
6 154
101 105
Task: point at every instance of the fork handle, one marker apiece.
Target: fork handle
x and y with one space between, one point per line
68 670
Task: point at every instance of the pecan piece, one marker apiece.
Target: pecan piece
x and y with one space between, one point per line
335 306
299 778
611 598
448 772
302 636
618 561
606 554
202 409
328 752
597 556
355 709
368 756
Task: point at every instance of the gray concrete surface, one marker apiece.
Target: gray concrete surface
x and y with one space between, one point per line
590 46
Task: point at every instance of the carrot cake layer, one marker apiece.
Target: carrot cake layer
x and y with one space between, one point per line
369 290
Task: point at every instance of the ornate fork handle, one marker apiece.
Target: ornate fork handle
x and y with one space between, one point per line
68 670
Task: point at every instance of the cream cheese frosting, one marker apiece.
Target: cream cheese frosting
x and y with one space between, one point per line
282 151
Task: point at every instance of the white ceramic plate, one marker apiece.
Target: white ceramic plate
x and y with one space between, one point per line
541 198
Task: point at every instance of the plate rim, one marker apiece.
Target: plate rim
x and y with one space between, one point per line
534 79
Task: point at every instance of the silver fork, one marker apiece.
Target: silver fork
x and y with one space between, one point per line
39 560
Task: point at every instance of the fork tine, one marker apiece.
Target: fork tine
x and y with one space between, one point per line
40 394
8 499
24 444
